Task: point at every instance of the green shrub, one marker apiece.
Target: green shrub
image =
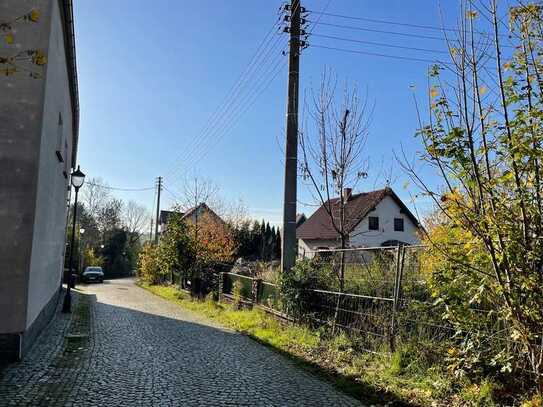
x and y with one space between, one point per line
236 293
148 266
295 287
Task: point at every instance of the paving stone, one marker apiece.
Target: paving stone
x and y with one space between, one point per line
136 349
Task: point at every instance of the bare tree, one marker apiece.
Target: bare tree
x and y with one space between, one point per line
332 157
234 213
109 215
95 195
197 190
135 219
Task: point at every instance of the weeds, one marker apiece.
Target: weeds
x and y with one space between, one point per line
412 375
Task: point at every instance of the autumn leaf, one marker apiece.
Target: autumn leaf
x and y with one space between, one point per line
471 14
8 71
39 58
434 92
34 15
8 38
482 90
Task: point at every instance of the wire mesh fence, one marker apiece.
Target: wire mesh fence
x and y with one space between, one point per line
385 301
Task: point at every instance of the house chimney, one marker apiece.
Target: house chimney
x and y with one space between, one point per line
347 192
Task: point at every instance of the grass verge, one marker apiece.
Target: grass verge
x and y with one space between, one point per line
408 377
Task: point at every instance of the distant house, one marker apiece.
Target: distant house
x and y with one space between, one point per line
164 218
192 215
376 218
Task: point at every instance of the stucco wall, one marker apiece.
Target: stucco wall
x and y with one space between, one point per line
386 210
50 218
21 102
306 248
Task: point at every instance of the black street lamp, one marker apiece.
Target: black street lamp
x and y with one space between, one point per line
77 179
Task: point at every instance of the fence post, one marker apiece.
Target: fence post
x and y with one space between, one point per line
395 298
221 285
256 288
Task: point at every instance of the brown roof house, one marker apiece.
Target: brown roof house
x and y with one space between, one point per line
191 215
373 219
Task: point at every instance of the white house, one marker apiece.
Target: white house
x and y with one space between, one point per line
39 115
372 219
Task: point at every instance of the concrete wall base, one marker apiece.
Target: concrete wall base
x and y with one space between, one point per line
14 346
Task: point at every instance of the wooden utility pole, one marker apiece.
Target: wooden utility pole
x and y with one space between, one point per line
288 252
158 208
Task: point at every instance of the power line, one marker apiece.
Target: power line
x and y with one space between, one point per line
241 109
260 74
274 72
351 27
402 24
375 54
449 65
235 90
121 189
172 194
321 13
237 111
397 33
381 44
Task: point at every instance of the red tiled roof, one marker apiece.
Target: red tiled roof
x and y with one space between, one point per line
319 225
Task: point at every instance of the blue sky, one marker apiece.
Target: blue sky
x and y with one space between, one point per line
151 75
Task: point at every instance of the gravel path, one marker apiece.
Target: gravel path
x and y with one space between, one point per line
136 349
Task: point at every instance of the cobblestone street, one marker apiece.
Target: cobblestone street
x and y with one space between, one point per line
125 346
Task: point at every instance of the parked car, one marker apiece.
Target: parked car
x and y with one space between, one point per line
93 273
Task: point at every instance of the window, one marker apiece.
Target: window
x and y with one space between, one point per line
398 224
373 223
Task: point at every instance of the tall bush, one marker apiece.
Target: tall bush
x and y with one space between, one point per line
483 137
148 267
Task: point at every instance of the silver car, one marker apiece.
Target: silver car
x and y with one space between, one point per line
93 273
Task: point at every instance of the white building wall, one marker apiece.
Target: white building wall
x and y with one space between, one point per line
307 248
21 108
386 210
48 242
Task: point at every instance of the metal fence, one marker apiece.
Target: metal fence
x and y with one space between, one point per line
385 301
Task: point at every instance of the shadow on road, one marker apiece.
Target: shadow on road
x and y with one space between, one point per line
128 353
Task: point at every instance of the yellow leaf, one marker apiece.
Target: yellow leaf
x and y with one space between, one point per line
507 66
482 90
9 38
34 15
471 14
434 92
39 58
8 71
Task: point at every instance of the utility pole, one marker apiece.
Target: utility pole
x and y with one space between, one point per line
159 185
288 252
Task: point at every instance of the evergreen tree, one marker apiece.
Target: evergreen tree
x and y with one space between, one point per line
277 246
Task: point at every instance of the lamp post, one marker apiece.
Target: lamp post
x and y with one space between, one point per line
81 249
77 179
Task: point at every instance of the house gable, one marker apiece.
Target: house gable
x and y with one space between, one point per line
386 211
